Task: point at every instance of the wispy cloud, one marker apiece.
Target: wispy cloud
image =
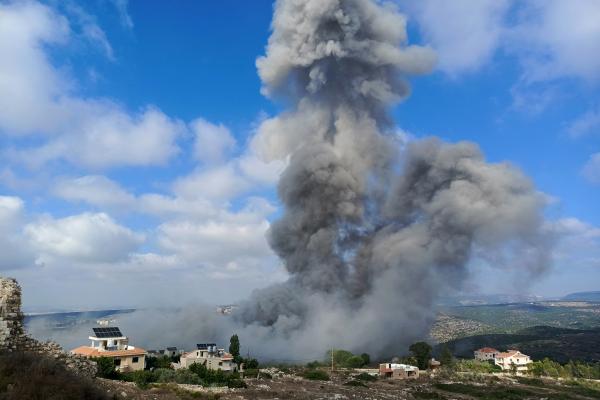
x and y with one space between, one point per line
591 170
586 124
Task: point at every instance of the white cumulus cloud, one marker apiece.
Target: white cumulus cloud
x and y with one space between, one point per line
84 238
213 143
38 99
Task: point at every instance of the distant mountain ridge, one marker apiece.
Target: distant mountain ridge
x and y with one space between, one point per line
583 296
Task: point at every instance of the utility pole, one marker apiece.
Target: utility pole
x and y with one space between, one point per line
332 359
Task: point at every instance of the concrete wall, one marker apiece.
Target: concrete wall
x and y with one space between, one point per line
127 364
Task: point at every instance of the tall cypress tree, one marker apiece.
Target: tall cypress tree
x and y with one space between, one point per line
234 348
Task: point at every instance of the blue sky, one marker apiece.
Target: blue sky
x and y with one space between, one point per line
128 163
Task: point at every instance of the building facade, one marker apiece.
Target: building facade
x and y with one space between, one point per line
486 354
398 371
210 356
512 360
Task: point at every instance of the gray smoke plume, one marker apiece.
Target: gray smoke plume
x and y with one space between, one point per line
369 242
372 231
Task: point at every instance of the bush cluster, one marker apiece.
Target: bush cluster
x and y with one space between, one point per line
476 366
343 359
316 375
573 369
31 376
196 374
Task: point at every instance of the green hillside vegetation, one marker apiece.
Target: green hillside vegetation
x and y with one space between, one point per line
511 318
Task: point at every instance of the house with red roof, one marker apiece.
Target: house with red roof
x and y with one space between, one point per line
486 354
110 342
512 360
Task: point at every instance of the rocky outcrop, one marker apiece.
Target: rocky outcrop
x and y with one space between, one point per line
14 338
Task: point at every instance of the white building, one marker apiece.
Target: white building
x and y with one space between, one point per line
171 352
486 354
398 371
210 356
110 342
512 359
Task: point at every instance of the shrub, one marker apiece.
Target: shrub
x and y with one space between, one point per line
106 368
32 376
164 375
187 376
316 375
236 383
250 373
482 367
140 378
365 377
355 383
251 363
159 362
314 364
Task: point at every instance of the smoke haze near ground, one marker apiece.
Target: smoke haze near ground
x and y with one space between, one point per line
372 231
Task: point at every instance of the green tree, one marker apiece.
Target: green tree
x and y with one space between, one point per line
513 368
106 368
366 358
446 357
422 352
234 348
354 362
159 362
340 357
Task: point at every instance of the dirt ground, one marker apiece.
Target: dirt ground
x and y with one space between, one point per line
293 387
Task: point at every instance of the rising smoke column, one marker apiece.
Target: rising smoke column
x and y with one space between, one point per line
370 235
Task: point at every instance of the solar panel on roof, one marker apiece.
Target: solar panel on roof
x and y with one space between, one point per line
107 332
204 346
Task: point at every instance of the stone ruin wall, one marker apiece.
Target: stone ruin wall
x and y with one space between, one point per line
14 338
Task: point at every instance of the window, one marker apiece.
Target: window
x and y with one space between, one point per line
135 360
220 362
117 361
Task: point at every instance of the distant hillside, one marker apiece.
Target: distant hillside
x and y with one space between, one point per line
513 317
583 296
559 344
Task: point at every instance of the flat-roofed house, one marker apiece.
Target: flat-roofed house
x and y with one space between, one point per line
110 342
171 351
398 371
512 359
486 354
210 356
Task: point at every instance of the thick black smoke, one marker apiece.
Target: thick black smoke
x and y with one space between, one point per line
370 235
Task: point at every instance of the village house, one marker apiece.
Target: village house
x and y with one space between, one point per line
110 342
398 371
486 354
512 360
210 356
171 351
